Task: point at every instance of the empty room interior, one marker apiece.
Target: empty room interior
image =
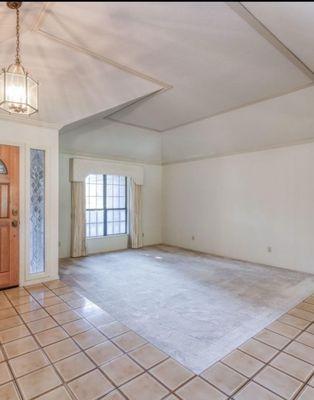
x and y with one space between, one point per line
157 201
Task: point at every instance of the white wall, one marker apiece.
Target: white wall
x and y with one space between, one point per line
238 206
113 140
152 213
281 121
26 137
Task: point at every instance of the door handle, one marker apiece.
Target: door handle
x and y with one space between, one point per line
15 223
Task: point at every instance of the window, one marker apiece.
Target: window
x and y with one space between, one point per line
37 211
106 205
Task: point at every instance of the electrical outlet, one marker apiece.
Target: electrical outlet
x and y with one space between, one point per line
269 249
193 237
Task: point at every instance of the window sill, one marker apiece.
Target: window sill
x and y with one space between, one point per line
122 235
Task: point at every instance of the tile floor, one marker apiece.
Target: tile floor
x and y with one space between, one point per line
57 345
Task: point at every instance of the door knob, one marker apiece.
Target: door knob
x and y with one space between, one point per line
15 212
15 223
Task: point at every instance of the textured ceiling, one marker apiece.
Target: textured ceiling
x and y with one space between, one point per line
291 22
201 59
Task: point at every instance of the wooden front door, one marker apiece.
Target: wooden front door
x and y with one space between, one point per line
9 216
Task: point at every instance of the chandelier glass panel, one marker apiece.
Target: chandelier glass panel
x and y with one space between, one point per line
18 91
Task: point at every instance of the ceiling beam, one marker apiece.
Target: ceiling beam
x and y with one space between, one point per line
256 24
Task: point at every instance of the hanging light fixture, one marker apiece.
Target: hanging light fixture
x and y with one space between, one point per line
18 91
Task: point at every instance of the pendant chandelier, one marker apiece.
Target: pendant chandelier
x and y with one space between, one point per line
18 91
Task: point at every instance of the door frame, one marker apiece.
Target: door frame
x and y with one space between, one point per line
25 278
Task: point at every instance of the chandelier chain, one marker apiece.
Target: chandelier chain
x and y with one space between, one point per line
17 57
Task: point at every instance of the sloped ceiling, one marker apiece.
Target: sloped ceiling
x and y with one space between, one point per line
189 61
73 83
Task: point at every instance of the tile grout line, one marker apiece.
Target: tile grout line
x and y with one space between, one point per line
268 364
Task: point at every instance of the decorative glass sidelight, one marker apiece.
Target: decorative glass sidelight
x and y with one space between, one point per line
3 168
37 211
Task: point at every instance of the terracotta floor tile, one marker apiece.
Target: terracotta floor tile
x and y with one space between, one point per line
311 382
55 284
7 312
259 350
71 296
25 308
78 326
100 319
9 392
172 397
310 300
144 387
91 386
301 351
243 363
306 307
17 301
1 356
38 382
17 291
34 315
224 378
171 374
50 301
306 394
29 362
148 356
284 329
113 329
294 321
57 308
306 338
57 394
43 295
89 338
14 333
5 374
129 341
74 366
78 302
60 350
297 312
278 382
293 366
310 329
253 391
90 309
121 370
20 346
41 325
10 322
67 316
115 395
198 389
103 352
35 287
4 303
272 339
50 336
63 290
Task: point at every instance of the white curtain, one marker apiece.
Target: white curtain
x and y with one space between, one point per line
135 215
78 227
